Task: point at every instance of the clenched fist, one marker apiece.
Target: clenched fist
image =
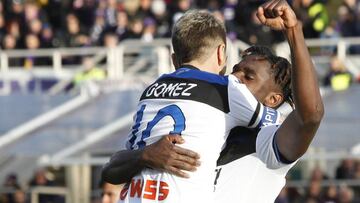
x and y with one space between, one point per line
277 14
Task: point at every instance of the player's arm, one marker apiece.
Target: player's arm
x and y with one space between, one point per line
297 131
163 155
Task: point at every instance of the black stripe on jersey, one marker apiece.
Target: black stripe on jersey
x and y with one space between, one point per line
240 142
255 115
213 94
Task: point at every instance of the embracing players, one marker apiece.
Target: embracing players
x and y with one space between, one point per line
292 137
196 102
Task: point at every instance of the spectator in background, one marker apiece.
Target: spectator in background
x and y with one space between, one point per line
330 32
345 170
110 40
97 29
228 12
9 42
349 18
314 192
20 197
40 179
110 193
149 30
16 12
75 35
317 174
35 27
121 27
258 33
331 195
122 23
180 8
48 39
110 12
314 15
158 8
12 184
338 77
144 9
2 27
346 194
357 170
89 72
85 10
32 42
32 11
14 30
136 28
131 7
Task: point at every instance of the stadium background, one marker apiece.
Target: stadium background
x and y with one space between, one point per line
71 72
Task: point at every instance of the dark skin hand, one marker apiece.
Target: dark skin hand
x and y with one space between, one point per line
163 155
299 128
293 137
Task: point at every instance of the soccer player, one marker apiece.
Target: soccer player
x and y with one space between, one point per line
197 103
276 148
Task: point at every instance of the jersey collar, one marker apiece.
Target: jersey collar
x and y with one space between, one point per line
189 67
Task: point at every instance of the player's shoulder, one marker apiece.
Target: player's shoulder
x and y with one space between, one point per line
192 73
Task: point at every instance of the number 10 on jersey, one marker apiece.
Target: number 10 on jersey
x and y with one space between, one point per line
172 110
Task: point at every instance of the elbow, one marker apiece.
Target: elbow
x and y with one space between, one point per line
109 175
106 176
314 117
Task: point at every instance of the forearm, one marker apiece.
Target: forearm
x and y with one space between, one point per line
298 130
122 166
305 87
296 133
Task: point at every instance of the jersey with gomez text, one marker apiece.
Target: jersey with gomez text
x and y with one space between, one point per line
203 108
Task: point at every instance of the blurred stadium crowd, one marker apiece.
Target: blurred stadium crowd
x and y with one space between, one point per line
76 23
81 23
313 192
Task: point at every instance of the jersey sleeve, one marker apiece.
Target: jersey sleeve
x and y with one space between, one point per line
245 108
267 150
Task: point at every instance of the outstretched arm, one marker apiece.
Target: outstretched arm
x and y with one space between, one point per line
299 128
163 155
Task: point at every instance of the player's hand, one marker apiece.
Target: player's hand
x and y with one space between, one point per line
277 14
166 156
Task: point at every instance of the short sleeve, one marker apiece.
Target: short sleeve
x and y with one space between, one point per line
267 151
245 108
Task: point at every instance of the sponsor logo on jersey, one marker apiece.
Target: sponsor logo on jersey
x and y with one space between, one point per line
153 189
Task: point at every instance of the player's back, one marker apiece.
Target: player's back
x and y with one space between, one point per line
198 106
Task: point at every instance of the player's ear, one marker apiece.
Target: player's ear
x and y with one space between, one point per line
221 55
274 99
175 61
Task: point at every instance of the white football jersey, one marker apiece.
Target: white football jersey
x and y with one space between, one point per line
203 108
257 176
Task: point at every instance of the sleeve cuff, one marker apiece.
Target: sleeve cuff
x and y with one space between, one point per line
280 157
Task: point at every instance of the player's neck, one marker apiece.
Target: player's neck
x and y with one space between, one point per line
206 66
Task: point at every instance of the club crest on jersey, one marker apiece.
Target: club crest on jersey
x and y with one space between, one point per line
170 89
